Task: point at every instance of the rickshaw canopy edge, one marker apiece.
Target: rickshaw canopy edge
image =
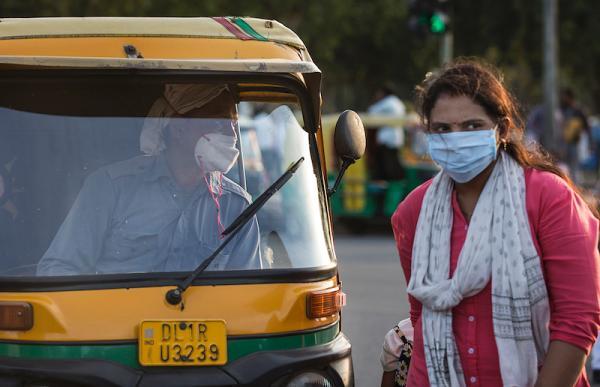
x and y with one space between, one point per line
233 65
241 28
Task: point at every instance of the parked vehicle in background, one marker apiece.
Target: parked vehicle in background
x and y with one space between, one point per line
362 198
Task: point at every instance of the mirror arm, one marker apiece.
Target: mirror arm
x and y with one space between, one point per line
345 164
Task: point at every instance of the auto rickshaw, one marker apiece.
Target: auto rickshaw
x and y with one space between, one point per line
133 250
364 198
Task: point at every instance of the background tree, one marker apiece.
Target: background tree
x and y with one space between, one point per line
360 45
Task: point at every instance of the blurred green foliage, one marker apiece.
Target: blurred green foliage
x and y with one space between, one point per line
362 44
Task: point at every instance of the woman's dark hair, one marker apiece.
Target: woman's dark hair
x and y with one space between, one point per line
483 83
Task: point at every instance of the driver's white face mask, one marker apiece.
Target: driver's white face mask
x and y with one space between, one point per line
216 152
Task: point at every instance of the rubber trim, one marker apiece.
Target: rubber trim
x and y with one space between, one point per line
146 280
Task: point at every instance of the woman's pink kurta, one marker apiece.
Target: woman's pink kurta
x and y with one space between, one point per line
565 234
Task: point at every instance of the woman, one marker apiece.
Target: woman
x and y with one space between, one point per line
499 251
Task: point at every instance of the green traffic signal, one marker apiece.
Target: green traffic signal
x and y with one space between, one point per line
437 23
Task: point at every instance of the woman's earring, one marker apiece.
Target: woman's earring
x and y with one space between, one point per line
504 144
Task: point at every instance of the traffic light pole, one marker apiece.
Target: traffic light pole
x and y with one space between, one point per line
446 47
550 137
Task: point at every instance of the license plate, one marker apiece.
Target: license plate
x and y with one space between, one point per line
183 343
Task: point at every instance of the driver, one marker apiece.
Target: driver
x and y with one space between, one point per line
163 211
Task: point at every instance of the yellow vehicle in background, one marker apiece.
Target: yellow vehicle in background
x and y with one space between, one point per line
361 197
112 273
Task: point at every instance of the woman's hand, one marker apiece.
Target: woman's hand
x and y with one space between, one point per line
562 365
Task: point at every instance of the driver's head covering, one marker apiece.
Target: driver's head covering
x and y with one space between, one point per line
177 99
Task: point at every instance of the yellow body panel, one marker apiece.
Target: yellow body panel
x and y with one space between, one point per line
115 314
149 47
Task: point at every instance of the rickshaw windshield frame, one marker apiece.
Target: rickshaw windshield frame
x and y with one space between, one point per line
153 279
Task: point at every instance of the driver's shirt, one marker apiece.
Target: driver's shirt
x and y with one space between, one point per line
131 217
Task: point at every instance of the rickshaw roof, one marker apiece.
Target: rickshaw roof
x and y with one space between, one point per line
249 45
232 29
241 28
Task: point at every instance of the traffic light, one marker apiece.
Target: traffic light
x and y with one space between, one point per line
438 23
429 16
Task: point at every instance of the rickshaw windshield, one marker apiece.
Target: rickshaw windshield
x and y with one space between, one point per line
106 178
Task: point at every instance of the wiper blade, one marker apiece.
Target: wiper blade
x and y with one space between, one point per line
174 296
262 199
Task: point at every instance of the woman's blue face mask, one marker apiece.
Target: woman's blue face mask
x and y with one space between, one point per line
463 155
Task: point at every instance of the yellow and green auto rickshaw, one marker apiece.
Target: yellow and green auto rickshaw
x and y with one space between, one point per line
164 214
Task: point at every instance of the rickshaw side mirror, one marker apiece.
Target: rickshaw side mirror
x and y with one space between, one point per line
350 142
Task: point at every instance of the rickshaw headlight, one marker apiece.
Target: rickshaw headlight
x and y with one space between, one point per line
310 378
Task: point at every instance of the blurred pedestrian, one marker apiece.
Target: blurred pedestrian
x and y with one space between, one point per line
389 139
270 132
594 122
535 125
575 131
499 250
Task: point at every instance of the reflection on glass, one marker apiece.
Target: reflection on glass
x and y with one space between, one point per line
291 223
86 188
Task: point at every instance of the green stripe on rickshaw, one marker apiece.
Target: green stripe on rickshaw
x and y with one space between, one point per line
127 354
241 23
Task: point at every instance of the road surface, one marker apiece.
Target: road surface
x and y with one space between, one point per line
374 284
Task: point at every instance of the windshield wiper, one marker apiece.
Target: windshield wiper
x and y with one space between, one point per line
174 296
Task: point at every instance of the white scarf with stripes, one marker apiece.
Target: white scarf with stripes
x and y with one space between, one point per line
499 246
